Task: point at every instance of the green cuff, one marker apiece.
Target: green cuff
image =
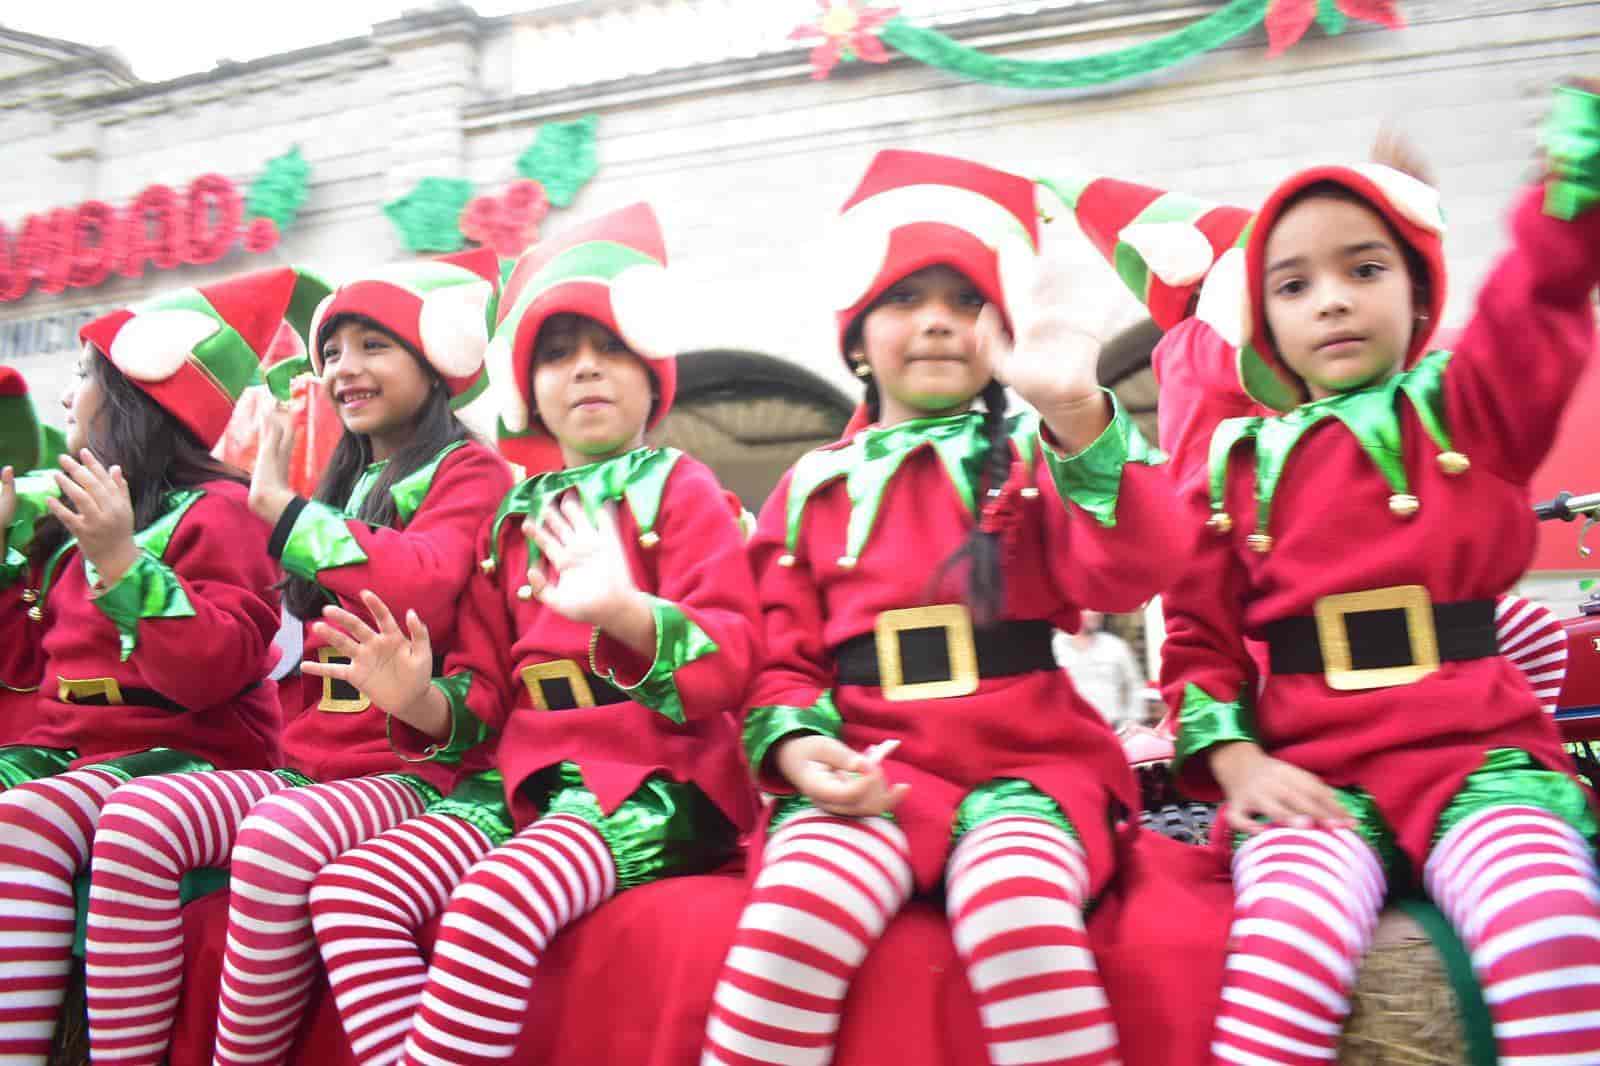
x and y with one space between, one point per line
320 540
679 642
1571 141
149 589
13 568
1092 478
765 726
279 378
467 731
33 489
1204 722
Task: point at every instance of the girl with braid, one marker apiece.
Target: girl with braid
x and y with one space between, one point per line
608 635
136 607
1361 529
910 716
397 511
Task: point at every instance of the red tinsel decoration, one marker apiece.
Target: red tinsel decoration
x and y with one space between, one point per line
261 236
94 244
507 224
215 209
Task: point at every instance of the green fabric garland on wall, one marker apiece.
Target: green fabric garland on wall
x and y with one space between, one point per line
937 50
427 216
562 158
280 190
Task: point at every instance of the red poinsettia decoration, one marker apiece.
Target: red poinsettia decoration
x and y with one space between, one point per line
849 31
1288 20
509 223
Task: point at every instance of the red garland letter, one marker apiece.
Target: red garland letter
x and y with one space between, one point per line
94 244
210 241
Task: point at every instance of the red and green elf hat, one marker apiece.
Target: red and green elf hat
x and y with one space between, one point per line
443 308
613 270
1162 244
25 442
1231 298
195 350
914 210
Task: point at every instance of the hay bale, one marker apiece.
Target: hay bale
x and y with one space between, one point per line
70 1047
1403 1010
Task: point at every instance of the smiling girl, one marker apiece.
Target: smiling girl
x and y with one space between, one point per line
396 511
608 635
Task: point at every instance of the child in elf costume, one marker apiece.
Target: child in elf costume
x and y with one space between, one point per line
1362 532
397 511
888 690
609 635
136 597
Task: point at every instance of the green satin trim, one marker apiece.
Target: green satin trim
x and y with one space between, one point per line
13 567
363 487
467 731
1092 479
1008 797
1371 414
664 829
149 588
152 762
409 492
1509 777
320 540
638 477
21 763
33 489
870 460
279 377
480 801
1204 722
765 726
1370 825
679 642
1571 141
786 807
294 778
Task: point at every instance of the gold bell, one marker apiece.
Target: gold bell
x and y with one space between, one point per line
1030 493
525 592
786 560
30 595
1454 464
1260 543
487 566
848 562
1220 523
1404 505
36 613
649 539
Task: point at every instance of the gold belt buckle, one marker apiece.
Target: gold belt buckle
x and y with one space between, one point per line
70 691
559 670
337 704
956 621
1333 637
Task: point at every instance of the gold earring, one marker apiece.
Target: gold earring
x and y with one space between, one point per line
861 370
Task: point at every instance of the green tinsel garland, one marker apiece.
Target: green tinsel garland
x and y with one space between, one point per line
937 50
280 190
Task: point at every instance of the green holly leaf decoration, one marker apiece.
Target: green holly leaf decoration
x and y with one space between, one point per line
427 215
562 158
280 190
1330 18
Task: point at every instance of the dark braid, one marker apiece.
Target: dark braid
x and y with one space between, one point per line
872 402
981 550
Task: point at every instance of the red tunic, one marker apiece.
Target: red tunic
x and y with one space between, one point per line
698 565
1032 726
1410 747
423 566
212 663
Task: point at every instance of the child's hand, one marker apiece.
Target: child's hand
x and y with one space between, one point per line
837 778
8 499
1256 784
390 668
101 515
270 493
1393 149
1053 360
593 582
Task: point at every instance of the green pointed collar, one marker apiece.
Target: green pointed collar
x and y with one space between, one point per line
870 459
1371 414
638 477
407 493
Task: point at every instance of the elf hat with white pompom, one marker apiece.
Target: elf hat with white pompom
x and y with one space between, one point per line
194 351
613 270
443 309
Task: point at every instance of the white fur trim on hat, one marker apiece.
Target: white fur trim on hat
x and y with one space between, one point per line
313 346
1018 266
153 345
1415 199
1224 302
648 306
502 373
453 329
1176 252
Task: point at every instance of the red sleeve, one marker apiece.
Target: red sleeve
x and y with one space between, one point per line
1197 373
1519 359
796 668
486 631
21 640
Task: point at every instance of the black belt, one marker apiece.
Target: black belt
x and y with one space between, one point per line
563 686
1382 637
133 697
933 651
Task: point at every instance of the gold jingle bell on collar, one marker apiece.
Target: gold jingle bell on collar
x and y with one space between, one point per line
1454 464
30 595
786 560
649 539
848 562
487 565
1260 543
1404 505
525 593
36 613
1220 523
